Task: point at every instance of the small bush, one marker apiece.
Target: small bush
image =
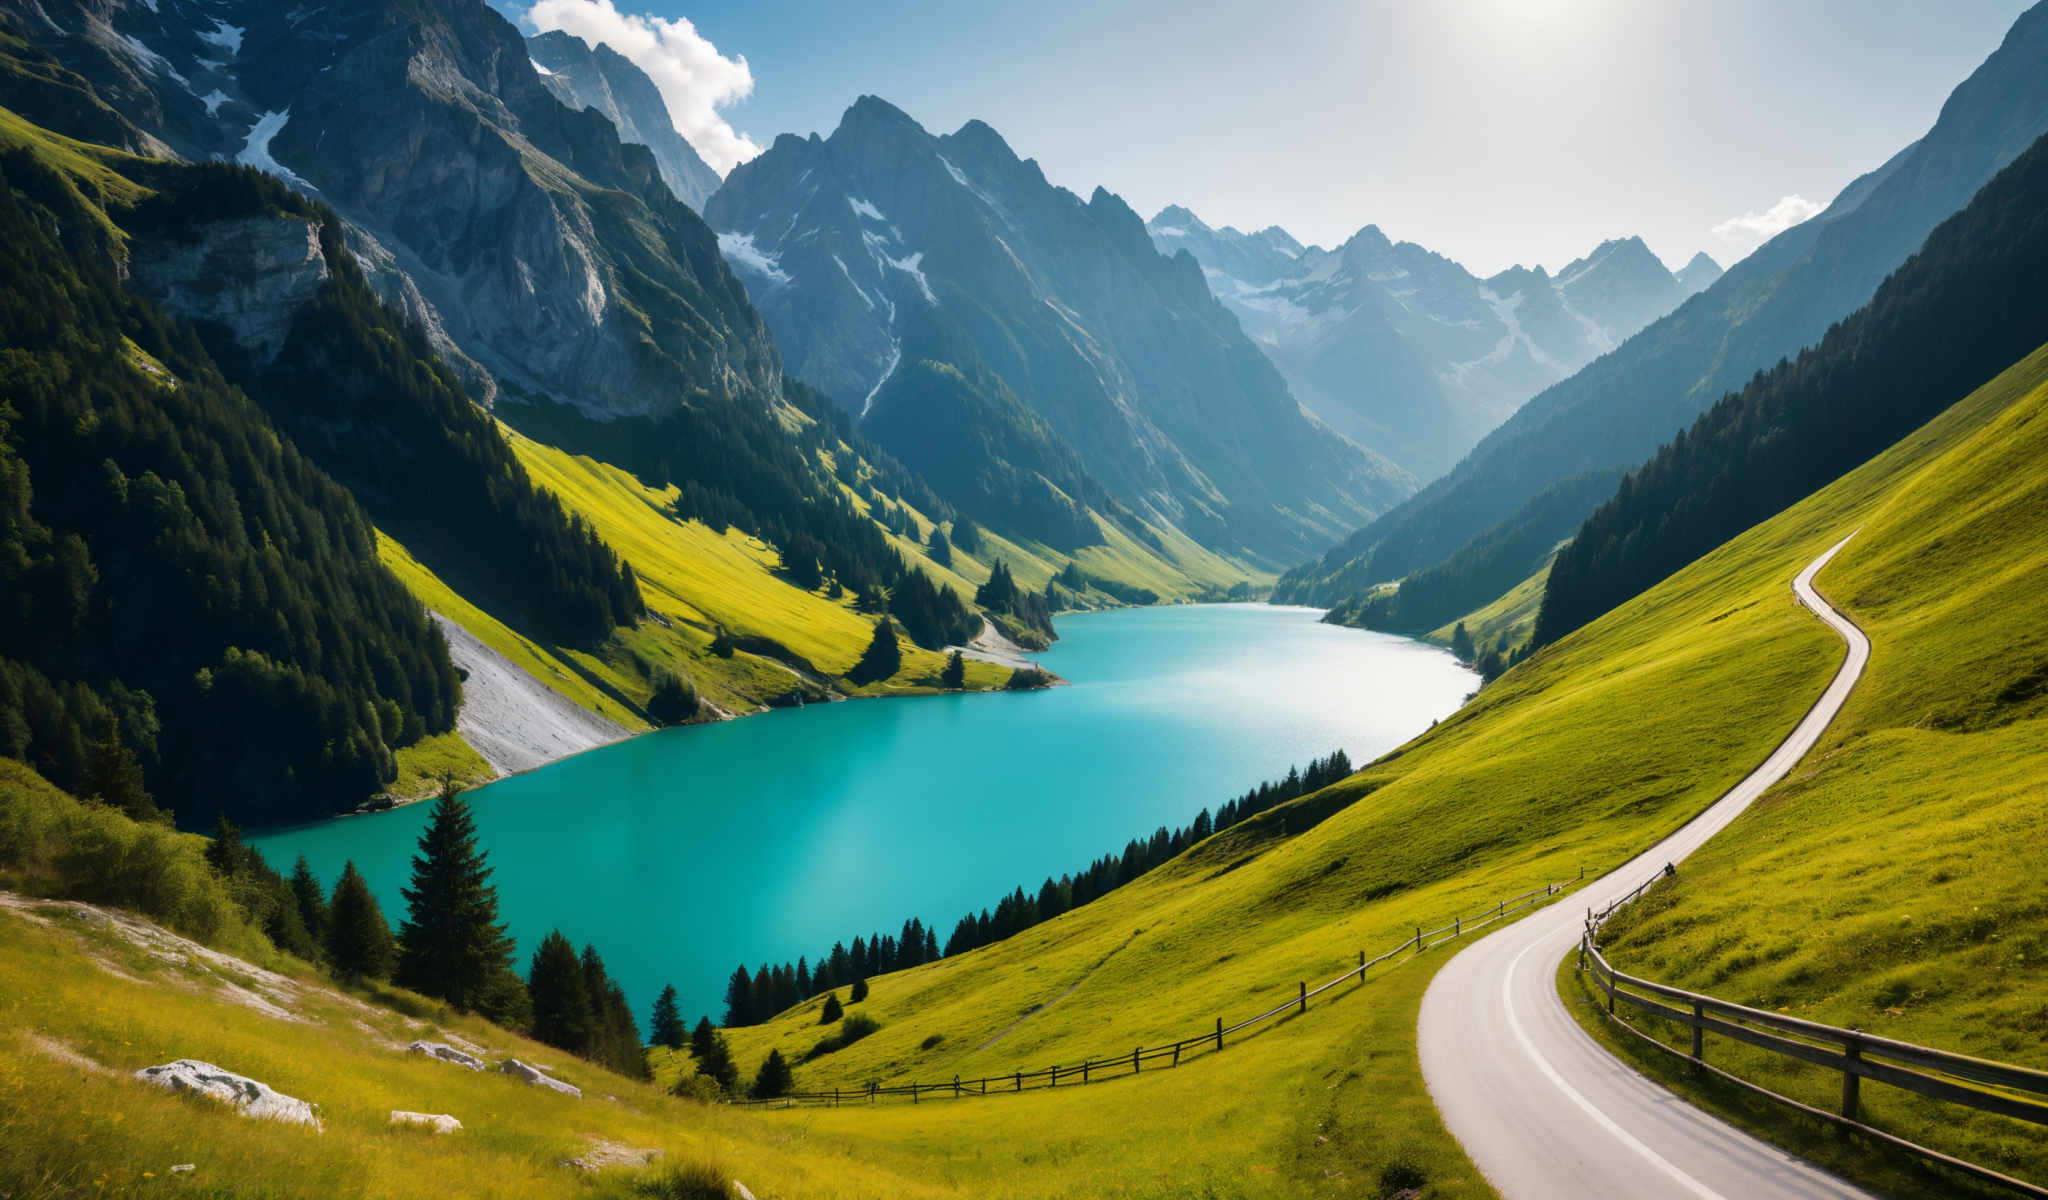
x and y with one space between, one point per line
695 1181
1028 679
931 1041
850 1030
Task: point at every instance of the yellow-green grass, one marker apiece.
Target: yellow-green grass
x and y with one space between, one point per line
92 169
1511 616
73 987
695 581
1894 885
423 766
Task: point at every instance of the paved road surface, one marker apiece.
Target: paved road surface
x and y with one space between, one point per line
1537 1103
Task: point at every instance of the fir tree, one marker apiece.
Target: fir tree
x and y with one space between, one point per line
739 999
674 700
700 1038
1461 643
717 1065
774 1079
561 1003
224 852
312 905
722 645
859 992
939 549
359 943
954 677
832 1011
882 658
665 1026
454 947
966 538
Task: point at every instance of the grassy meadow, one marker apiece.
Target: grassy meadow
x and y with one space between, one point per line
1893 885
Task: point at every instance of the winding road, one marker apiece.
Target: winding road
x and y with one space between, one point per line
1538 1104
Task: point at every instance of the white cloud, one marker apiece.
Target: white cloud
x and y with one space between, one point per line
695 79
1759 226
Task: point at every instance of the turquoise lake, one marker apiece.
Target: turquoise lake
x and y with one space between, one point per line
681 853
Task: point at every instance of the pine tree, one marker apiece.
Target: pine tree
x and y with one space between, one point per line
674 700
454 947
561 1003
882 658
1461 643
940 550
931 945
954 677
665 1026
722 645
966 538
717 1065
359 943
224 852
775 1078
832 1011
739 998
859 992
312 905
700 1038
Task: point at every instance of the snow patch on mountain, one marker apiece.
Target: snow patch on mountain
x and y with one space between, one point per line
862 208
227 37
256 148
739 250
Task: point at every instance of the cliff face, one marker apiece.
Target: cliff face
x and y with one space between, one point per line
540 249
600 78
247 274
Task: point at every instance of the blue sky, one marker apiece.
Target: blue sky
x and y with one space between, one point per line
1493 131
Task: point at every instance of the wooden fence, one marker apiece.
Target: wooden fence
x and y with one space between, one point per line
1974 1083
1209 1041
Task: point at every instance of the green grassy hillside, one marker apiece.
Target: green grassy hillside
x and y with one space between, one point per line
1894 886
1583 754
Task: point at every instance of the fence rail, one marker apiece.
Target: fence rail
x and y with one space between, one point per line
1211 1041
2020 1093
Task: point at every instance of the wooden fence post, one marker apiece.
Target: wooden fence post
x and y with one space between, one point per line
1176 1054
1304 997
956 1087
1699 1032
1020 1081
913 1093
1055 1072
1851 1081
1457 926
1219 1033
1134 1060
984 1085
1085 1064
1418 939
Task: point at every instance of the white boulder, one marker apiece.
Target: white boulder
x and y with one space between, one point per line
245 1095
443 1052
534 1075
438 1122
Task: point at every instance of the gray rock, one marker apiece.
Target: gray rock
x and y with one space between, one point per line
438 1122
249 274
443 1052
538 1078
245 1095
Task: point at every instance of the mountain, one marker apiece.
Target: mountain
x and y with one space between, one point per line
546 256
916 278
1958 312
1699 274
1403 349
1616 412
599 77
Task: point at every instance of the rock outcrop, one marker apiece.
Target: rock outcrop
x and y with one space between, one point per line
249 274
244 1095
443 1052
535 1076
437 1122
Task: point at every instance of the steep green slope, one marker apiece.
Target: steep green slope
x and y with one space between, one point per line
1892 886
194 608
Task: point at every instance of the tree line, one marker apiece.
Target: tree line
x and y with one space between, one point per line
1964 308
755 997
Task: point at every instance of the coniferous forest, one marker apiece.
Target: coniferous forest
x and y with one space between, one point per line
196 611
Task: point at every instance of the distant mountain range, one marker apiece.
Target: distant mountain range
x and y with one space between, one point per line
1406 351
1527 486
1025 348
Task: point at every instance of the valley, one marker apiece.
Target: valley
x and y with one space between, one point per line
561 635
